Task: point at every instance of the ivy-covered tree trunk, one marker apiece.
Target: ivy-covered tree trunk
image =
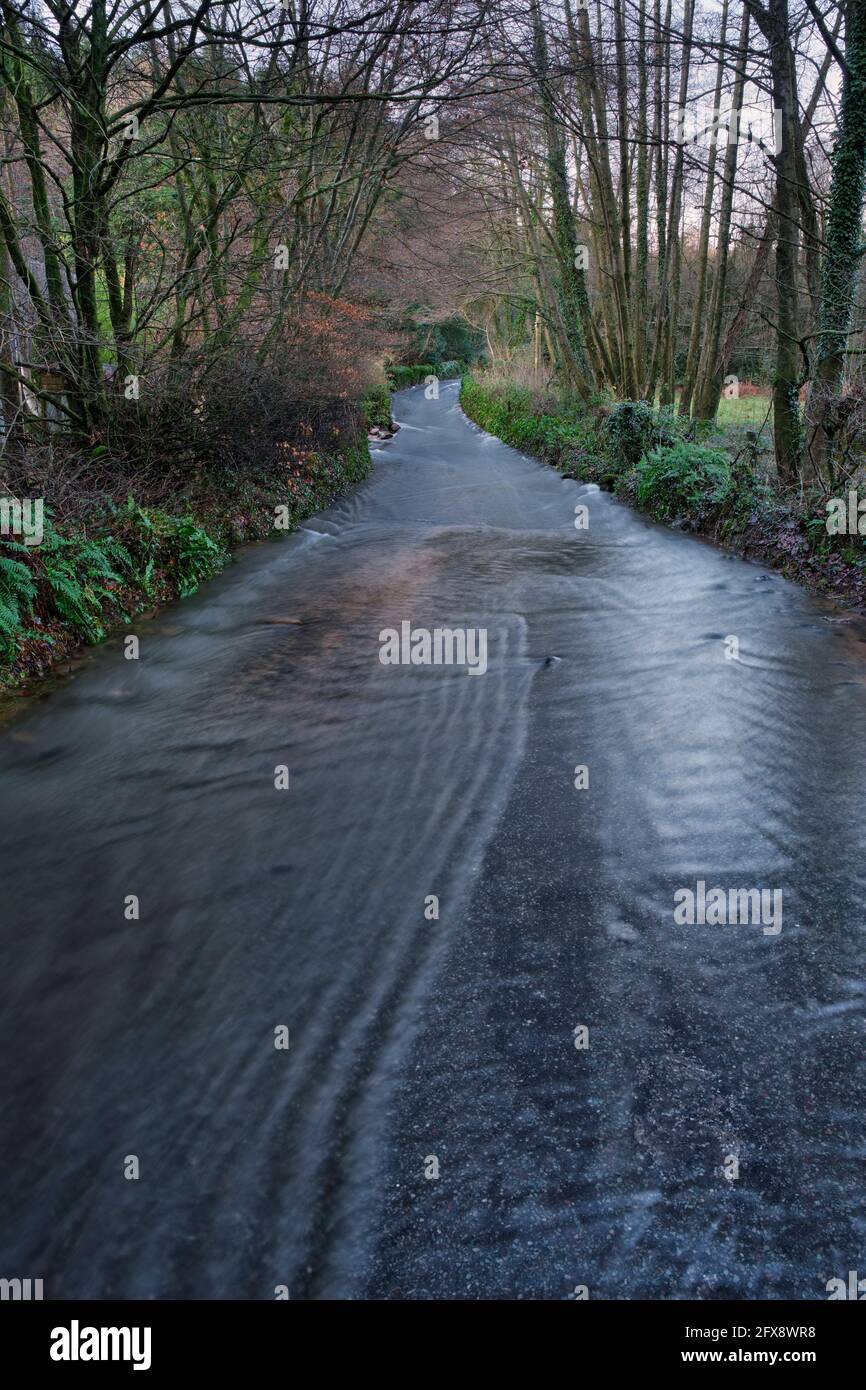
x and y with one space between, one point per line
843 242
87 145
775 25
571 288
639 330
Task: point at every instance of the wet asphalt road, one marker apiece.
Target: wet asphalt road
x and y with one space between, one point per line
419 1046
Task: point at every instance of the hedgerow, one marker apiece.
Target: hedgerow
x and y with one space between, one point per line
649 458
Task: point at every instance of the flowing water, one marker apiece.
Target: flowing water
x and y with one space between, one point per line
420 1044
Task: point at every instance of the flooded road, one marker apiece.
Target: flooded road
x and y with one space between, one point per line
612 1100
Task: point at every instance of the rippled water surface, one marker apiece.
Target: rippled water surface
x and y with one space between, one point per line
449 1039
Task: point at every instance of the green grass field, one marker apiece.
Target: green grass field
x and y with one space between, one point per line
743 410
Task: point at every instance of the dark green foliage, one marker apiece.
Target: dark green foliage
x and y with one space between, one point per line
443 343
78 574
376 406
17 592
676 479
399 377
79 581
633 428
150 542
69 578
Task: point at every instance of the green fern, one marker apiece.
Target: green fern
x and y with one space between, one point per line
17 592
197 556
78 573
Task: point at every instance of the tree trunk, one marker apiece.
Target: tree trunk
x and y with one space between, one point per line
574 301
710 374
775 26
704 245
842 259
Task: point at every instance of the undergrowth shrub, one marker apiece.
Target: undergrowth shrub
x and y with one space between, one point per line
79 574
674 479
377 407
633 428
85 582
149 540
399 377
17 592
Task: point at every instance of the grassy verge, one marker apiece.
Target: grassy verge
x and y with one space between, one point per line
85 579
713 482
